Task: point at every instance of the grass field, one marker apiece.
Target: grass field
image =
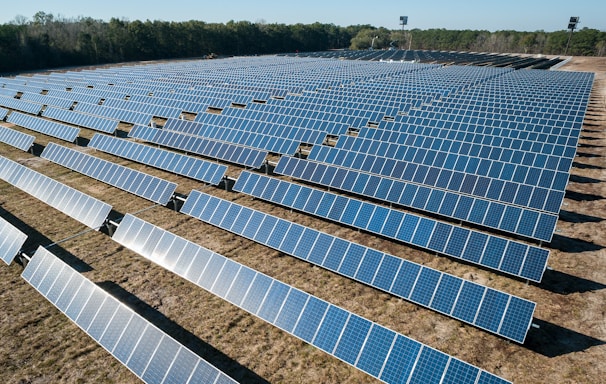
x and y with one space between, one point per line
40 345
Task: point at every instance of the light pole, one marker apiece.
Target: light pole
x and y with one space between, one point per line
403 22
572 24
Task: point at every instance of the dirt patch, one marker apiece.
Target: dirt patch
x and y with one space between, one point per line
40 345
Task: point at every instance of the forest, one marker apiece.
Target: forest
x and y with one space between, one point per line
47 41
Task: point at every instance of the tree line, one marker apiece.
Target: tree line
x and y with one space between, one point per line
46 41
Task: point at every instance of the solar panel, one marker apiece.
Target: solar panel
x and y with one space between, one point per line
370 347
188 166
237 154
115 113
20 105
86 209
143 348
472 246
524 221
444 293
81 119
48 100
50 128
11 241
3 113
16 139
141 184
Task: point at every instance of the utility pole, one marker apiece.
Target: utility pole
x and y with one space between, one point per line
403 22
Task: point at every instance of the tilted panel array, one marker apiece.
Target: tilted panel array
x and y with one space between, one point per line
17 139
11 241
81 119
491 310
262 141
508 256
49 128
138 183
370 347
155 110
3 113
232 153
48 100
20 105
80 206
188 166
542 197
524 221
115 113
143 348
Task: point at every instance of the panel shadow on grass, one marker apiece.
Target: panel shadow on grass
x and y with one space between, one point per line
572 245
586 166
584 179
587 155
552 340
35 239
565 284
574 217
182 335
579 196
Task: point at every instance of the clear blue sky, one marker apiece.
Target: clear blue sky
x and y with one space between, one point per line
520 15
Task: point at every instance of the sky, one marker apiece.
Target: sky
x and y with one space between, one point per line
519 15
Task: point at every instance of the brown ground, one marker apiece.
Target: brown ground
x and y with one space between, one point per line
40 345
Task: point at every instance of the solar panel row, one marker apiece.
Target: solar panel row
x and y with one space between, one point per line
86 209
523 221
3 113
270 143
11 241
49 128
232 153
188 166
370 347
473 246
144 349
48 100
154 110
138 183
495 311
480 164
114 113
539 197
81 119
227 123
20 105
16 139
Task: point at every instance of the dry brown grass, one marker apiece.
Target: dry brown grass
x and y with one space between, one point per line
40 345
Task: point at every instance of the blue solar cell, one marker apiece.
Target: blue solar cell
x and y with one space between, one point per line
475 247
310 319
423 232
398 369
352 339
494 252
430 366
330 330
291 310
352 259
446 294
369 266
467 306
375 350
515 322
425 286
492 310
405 279
256 293
273 301
321 245
305 244
334 256
460 372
